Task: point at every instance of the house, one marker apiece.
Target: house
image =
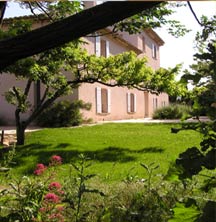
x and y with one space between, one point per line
108 103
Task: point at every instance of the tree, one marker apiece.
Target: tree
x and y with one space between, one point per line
86 22
70 28
195 160
48 68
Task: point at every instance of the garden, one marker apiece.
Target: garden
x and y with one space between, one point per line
106 172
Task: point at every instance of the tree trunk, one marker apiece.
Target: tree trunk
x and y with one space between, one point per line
20 132
20 128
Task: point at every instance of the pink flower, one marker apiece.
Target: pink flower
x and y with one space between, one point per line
40 168
55 160
54 185
51 197
57 217
60 208
43 209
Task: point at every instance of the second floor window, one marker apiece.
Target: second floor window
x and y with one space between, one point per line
101 47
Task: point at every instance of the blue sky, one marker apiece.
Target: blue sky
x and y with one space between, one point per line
175 50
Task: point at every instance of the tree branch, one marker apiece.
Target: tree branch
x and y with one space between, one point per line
28 85
3 5
68 29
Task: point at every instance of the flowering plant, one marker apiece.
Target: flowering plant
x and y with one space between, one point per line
55 160
40 168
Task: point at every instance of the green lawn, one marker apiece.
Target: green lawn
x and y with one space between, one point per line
116 150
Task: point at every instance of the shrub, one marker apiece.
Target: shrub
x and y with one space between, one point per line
174 111
63 114
3 122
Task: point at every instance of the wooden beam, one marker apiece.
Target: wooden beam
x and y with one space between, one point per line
68 29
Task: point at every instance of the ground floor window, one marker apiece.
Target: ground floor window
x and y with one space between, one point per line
131 102
163 104
103 100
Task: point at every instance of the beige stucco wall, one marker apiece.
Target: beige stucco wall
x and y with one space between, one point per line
87 92
137 40
144 102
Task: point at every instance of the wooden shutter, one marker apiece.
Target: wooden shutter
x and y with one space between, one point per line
135 103
128 103
109 101
107 49
97 46
98 100
154 50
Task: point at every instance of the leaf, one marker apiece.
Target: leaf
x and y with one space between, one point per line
186 214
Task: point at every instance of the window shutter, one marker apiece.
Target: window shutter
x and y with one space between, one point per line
107 49
153 52
98 100
108 100
128 103
97 46
135 103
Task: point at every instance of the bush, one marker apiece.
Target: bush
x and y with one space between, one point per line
63 114
3 122
174 111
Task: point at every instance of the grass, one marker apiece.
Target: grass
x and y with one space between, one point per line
116 150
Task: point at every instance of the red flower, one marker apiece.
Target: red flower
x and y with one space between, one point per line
40 168
60 208
54 185
55 160
51 197
57 217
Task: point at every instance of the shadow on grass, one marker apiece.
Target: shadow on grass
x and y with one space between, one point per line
43 152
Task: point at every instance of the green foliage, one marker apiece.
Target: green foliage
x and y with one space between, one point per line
143 200
174 111
7 159
155 17
195 161
76 189
22 200
63 114
183 213
148 202
118 147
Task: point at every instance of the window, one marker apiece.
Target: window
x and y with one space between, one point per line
163 104
154 51
155 103
103 100
97 46
131 102
104 48
101 47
